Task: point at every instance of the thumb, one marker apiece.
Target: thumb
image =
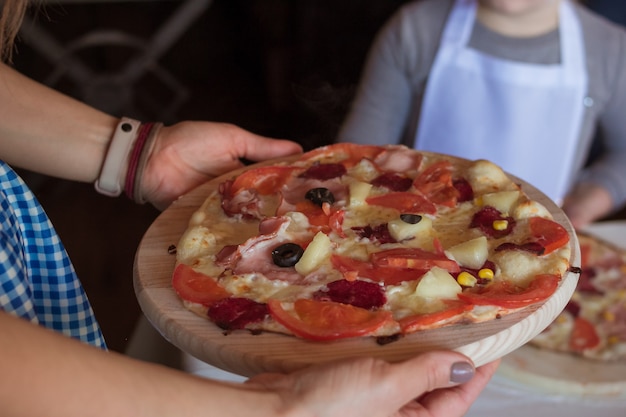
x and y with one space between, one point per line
433 370
259 148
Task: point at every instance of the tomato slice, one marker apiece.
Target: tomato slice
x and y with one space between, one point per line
404 202
265 180
507 295
548 233
365 269
313 212
583 336
327 320
425 321
335 221
414 258
191 285
320 220
438 172
351 153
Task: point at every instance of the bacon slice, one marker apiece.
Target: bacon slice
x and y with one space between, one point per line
255 254
435 182
242 195
295 190
245 202
397 159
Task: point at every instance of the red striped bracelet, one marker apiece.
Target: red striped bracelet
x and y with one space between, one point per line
138 159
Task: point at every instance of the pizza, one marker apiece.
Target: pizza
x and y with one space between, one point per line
593 324
352 241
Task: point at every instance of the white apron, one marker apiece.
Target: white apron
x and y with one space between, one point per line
524 117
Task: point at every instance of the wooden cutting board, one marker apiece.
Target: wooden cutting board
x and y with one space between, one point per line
246 354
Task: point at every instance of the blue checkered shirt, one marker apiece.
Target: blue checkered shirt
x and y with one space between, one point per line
37 279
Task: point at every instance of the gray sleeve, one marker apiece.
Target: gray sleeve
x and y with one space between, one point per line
606 44
396 68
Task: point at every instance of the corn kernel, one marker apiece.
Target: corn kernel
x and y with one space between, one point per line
478 201
608 316
612 340
561 319
500 224
466 279
485 273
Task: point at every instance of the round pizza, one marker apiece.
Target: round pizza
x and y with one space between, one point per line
593 323
367 241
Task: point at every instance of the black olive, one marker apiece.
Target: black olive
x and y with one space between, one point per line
287 254
411 218
320 196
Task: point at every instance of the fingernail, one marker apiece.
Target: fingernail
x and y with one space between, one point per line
461 372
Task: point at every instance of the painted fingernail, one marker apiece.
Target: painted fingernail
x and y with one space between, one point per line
461 372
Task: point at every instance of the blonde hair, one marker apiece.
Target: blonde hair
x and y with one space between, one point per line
11 15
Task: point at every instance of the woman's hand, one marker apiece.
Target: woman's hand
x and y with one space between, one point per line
587 203
433 384
188 154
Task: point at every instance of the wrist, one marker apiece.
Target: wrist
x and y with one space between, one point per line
128 151
138 159
112 176
274 400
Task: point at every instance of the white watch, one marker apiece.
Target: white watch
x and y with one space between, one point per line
113 173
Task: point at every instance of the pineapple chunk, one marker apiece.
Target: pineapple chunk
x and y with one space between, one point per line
529 209
315 254
438 283
365 170
503 201
470 254
359 192
401 230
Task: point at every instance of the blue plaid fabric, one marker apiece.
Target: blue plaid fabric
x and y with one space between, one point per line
37 279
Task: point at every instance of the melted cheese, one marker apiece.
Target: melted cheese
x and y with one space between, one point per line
520 267
256 286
